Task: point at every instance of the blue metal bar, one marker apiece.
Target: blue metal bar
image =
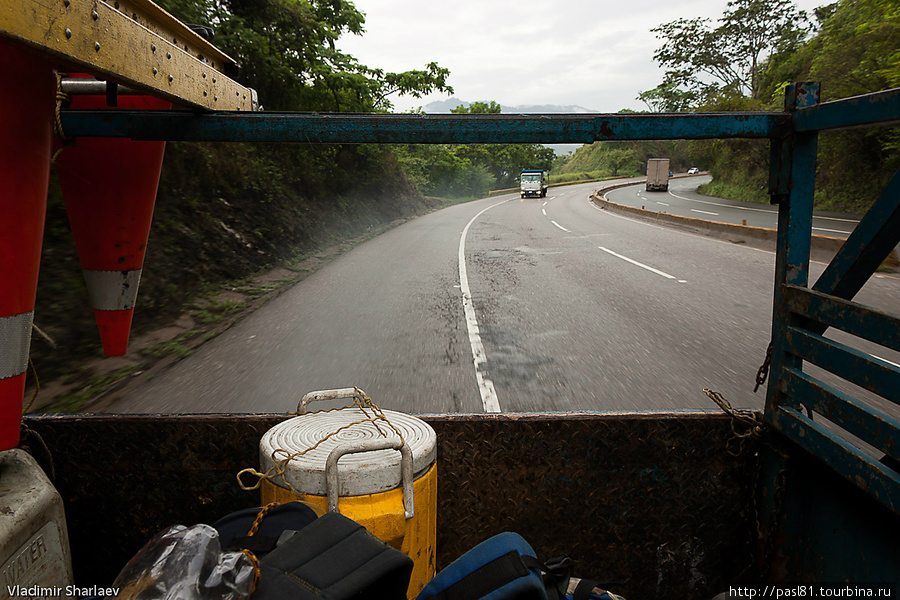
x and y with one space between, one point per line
876 478
797 214
858 367
794 237
866 422
879 108
873 239
339 128
856 319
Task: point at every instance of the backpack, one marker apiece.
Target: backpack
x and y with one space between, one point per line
505 567
333 558
304 556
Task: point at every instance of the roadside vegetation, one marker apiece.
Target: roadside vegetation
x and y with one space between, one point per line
745 61
470 171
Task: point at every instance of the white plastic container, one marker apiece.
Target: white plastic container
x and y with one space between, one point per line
34 541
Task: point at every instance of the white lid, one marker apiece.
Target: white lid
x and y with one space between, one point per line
361 473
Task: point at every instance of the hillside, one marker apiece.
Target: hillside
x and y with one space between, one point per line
623 159
851 47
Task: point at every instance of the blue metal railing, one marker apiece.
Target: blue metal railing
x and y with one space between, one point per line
801 314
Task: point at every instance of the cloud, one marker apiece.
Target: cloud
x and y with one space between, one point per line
596 54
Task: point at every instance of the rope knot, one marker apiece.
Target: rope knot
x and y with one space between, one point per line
752 424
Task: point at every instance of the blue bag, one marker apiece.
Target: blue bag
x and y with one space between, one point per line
505 567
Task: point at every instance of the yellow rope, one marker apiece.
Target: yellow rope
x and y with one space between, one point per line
257 522
754 425
257 569
279 468
61 98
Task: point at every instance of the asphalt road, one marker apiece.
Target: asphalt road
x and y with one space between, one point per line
566 307
682 199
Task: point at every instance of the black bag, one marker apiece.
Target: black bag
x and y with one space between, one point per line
258 530
333 558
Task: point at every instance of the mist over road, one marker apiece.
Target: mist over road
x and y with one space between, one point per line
570 308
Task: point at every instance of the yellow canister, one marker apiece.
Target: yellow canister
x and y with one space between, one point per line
366 471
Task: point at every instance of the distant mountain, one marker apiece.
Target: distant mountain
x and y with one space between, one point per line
444 106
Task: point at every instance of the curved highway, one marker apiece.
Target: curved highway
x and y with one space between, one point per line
683 199
504 304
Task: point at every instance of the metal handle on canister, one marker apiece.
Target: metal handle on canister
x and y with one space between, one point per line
329 395
332 482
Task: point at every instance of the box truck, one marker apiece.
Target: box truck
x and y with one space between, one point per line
534 182
658 175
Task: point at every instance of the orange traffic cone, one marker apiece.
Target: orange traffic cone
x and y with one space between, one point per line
26 133
109 187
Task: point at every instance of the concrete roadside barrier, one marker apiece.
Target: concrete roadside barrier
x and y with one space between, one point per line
823 247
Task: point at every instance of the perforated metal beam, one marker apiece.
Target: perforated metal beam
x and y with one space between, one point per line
133 42
342 128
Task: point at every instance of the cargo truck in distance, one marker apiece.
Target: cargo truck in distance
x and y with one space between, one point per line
534 182
658 175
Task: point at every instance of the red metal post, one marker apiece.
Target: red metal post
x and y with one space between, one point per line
26 134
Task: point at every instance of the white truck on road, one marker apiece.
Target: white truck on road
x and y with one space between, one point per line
534 182
658 175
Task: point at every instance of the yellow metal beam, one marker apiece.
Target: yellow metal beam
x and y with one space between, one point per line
132 42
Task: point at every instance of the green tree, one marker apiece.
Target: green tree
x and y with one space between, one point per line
667 97
477 108
503 161
445 170
286 50
704 63
859 50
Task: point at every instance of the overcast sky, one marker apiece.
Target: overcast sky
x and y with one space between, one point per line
597 54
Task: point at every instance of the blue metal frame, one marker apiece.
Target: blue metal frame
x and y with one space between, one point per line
801 314
338 128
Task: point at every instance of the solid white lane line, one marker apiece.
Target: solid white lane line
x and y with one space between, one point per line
886 360
560 226
832 230
642 265
705 212
485 385
837 219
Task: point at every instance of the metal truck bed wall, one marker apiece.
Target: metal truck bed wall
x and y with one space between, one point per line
652 501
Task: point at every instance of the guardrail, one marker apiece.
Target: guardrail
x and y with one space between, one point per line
823 247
